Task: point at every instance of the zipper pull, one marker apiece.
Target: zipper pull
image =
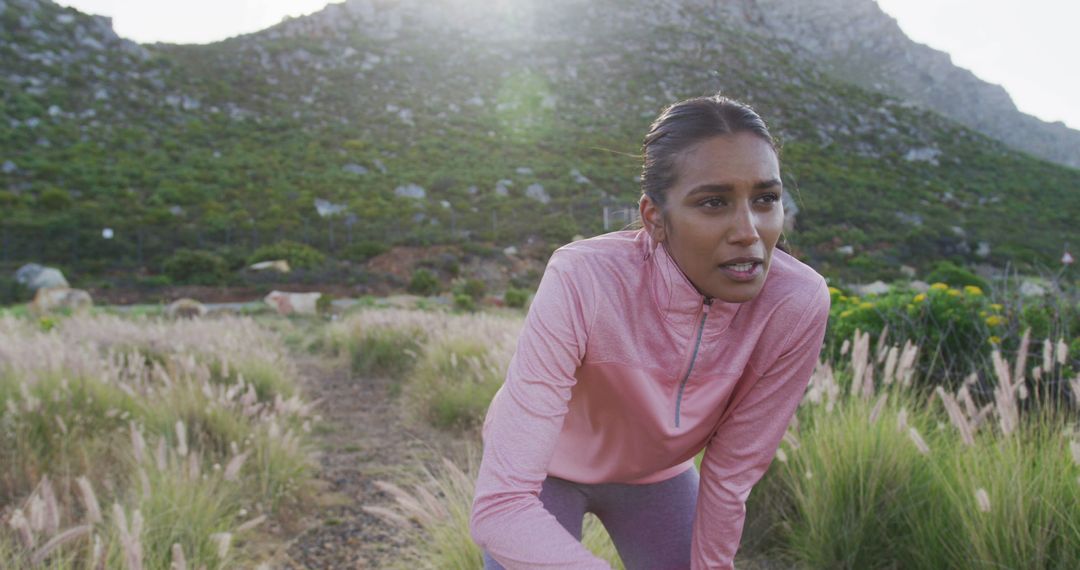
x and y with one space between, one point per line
706 304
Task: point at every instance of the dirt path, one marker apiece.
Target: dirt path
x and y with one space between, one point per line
362 439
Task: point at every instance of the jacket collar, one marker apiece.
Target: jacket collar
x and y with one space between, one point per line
676 298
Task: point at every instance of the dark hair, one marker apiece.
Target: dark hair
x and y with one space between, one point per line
685 123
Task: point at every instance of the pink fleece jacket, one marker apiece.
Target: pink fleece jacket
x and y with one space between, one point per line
623 373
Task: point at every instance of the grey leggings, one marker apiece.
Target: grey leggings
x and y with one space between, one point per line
650 524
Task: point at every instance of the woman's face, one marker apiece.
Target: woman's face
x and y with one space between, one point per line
723 216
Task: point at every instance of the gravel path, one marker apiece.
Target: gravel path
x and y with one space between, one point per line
363 439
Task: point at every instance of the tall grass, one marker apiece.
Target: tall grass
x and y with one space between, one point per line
183 433
877 474
435 513
446 366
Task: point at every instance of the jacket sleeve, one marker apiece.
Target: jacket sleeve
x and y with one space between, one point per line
522 425
745 442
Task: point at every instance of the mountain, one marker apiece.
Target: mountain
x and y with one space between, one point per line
439 121
856 41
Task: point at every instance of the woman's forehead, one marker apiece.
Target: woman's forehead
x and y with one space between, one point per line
738 160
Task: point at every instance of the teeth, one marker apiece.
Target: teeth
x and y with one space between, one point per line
742 267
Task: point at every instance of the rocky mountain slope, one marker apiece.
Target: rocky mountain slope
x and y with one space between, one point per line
858 42
412 121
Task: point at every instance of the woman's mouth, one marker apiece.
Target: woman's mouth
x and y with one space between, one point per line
743 271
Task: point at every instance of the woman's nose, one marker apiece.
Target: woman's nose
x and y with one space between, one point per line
743 230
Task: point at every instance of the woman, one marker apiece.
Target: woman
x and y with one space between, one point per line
641 348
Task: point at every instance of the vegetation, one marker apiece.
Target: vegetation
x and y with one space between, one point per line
141 443
226 147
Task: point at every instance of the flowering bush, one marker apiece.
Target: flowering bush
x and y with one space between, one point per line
957 327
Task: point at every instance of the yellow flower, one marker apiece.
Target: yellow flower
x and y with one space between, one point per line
834 291
920 297
995 340
996 306
972 290
983 314
953 293
994 320
938 287
846 314
866 305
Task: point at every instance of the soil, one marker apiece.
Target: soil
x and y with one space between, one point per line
363 438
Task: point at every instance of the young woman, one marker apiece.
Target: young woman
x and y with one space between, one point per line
641 348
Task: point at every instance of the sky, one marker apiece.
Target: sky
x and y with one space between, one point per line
1029 47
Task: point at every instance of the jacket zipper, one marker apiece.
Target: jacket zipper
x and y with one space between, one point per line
697 344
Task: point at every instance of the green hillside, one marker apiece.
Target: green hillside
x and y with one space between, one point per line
227 146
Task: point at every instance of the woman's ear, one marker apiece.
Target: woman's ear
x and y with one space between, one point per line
652 217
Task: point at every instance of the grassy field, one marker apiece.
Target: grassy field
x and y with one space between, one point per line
129 441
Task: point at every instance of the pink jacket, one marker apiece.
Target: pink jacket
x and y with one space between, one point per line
623 374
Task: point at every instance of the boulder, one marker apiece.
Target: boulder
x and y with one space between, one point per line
278 265
1032 289
875 288
34 277
185 309
49 299
293 303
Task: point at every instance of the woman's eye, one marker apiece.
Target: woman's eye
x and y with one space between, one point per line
712 203
769 198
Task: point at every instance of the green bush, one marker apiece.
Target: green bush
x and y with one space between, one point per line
463 302
951 274
365 250
299 255
13 293
424 283
473 288
325 304
195 267
516 298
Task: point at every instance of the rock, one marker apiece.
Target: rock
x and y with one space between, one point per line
49 299
924 154
353 168
907 271
578 177
910 219
919 286
846 250
278 265
510 251
524 171
1030 288
983 249
326 208
185 309
34 277
875 288
293 303
502 187
536 192
413 191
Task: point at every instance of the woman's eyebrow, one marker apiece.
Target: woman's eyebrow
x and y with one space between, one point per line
705 188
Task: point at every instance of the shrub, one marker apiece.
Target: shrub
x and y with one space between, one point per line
365 250
464 302
474 288
424 283
196 267
325 304
956 276
516 298
13 293
299 255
